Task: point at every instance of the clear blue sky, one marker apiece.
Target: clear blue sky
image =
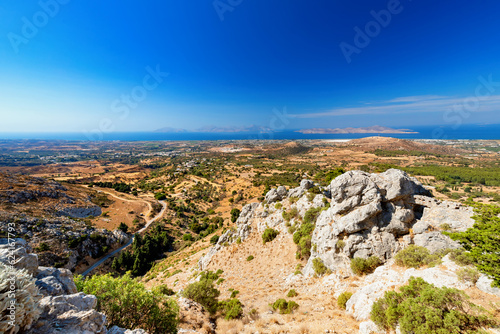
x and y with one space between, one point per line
71 72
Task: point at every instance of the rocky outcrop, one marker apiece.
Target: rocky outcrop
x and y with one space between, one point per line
372 214
62 309
54 282
73 313
78 212
242 232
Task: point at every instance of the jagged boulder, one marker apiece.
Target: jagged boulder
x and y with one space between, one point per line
70 314
368 215
54 282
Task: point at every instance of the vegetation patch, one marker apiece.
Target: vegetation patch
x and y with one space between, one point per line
285 307
343 299
362 266
421 307
416 256
319 267
302 238
152 311
482 240
269 235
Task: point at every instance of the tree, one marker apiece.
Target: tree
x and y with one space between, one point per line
123 227
482 241
205 293
235 213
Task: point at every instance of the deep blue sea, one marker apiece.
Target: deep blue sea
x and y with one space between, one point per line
424 132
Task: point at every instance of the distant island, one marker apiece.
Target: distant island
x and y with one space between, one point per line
370 129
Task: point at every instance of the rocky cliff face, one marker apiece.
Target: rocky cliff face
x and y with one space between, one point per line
59 308
368 214
373 214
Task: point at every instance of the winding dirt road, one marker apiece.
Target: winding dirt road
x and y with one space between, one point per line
116 251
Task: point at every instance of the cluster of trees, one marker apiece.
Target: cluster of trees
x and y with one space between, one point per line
121 187
489 176
482 241
144 252
410 153
325 177
278 179
128 304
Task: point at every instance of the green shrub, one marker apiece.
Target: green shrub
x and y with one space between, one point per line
311 215
164 289
187 237
269 235
289 215
278 206
285 307
204 292
445 227
238 241
481 241
235 213
302 238
421 308
152 311
319 267
461 257
340 244
343 298
214 239
468 275
416 256
362 266
292 293
43 247
250 258
234 293
231 309
293 199
123 227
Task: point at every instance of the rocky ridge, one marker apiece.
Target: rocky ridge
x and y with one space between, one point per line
62 309
362 215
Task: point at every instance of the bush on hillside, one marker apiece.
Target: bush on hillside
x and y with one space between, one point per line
416 256
289 215
319 267
205 293
285 307
302 238
421 308
269 235
235 213
343 299
152 311
231 308
362 266
292 293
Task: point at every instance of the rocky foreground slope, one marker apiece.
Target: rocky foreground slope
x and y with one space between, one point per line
362 215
